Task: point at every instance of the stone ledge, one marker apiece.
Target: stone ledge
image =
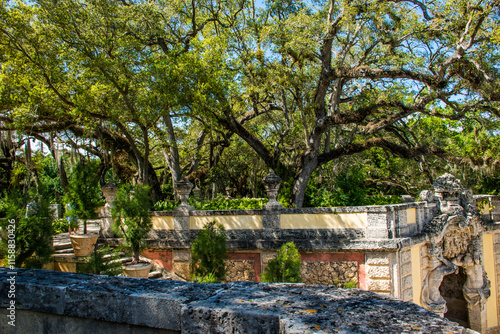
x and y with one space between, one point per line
242 307
333 210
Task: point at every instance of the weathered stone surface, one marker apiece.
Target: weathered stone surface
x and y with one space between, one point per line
405 256
240 307
29 322
379 272
329 272
383 285
406 269
407 295
377 259
182 269
240 270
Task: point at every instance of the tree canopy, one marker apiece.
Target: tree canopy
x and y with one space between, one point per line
224 90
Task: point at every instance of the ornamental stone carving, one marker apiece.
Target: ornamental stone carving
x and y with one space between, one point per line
455 237
272 184
183 189
109 191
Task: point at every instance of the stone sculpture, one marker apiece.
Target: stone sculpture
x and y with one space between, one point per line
454 241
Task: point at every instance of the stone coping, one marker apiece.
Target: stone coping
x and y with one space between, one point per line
333 210
340 245
492 226
239 307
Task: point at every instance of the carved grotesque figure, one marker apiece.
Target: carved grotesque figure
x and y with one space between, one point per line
455 237
438 268
448 190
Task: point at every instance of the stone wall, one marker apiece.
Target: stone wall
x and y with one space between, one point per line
496 240
49 302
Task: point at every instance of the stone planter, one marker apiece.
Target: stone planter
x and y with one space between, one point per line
83 244
140 270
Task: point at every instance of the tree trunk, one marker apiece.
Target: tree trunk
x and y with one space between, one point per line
172 159
309 165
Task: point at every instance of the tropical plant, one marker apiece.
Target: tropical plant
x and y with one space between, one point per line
131 217
208 252
285 267
33 230
83 193
103 261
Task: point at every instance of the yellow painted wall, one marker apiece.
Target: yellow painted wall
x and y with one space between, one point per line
416 274
489 266
162 223
229 222
411 216
324 220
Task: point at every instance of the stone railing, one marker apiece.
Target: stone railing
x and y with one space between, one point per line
39 301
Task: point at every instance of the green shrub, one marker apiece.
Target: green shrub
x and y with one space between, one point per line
60 226
210 278
101 262
208 252
350 285
33 234
285 267
218 203
131 217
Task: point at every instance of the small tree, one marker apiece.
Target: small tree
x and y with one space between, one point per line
131 216
33 231
208 252
83 193
104 261
285 267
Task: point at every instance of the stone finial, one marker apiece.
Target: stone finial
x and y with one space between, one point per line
183 189
229 191
196 192
109 191
31 209
448 190
272 184
407 199
448 183
427 196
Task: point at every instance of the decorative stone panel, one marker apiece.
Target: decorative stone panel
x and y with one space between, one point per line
405 271
377 267
240 270
336 273
496 246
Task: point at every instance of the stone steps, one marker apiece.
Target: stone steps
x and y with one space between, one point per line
155 274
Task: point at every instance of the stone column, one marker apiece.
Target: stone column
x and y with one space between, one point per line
109 191
271 215
182 212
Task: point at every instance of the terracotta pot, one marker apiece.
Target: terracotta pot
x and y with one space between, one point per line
140 269
83 244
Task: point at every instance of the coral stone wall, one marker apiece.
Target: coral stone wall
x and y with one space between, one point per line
336 273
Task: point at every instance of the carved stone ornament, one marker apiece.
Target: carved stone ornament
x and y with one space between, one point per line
183 189
109 191
427 196
272 184
31 209
437 269
454 241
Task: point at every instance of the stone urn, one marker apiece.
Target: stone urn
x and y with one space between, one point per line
183 189
272 184
83 244
140 269
109 191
